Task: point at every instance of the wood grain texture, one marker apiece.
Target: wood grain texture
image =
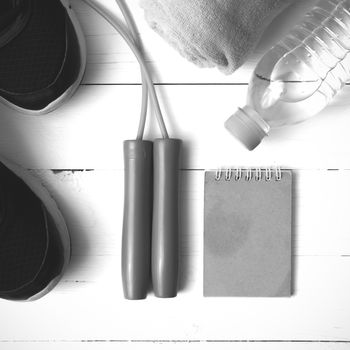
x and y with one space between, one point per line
87 309
191 345
88 304
89 131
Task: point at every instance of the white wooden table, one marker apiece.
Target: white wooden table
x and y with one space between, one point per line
87 309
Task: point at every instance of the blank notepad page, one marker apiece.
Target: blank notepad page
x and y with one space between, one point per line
247 233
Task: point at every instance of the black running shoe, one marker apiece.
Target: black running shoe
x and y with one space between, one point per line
34 240
42 54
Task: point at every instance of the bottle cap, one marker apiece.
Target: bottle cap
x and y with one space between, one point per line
248 127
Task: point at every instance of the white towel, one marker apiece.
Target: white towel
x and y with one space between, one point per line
212 33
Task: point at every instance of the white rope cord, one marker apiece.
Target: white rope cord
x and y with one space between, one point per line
109 17
144 104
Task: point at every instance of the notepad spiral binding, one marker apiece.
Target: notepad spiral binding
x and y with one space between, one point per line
258 174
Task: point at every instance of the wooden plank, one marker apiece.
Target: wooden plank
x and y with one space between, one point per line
202 345
96 310
88 132
92 203
88 304
110 60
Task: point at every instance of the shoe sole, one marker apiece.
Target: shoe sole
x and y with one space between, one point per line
43 194
71 90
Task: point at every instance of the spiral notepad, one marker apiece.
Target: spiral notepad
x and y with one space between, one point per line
247 233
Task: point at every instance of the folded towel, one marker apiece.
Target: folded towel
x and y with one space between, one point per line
212 33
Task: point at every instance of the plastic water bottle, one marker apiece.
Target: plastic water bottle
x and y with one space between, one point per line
299 76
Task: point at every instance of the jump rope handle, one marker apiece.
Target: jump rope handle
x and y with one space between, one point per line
165 230
137 222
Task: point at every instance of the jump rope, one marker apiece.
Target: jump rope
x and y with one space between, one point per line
151 183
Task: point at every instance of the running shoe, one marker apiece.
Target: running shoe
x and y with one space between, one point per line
42 54
34 240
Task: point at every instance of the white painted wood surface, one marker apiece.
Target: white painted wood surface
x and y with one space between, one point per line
87 309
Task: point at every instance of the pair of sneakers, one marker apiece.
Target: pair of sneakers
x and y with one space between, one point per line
42 62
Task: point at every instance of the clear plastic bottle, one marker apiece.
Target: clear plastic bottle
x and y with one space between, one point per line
299 76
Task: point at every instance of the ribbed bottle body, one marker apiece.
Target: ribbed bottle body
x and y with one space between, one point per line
299 76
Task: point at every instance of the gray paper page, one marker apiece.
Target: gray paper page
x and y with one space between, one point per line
247 236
